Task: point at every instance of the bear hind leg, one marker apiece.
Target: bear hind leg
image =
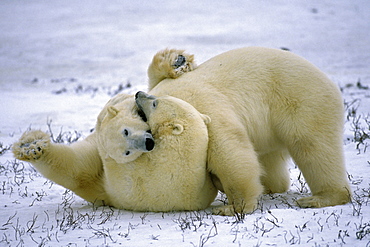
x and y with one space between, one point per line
322 165
169 63
275 177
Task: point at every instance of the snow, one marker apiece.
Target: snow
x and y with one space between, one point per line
60 61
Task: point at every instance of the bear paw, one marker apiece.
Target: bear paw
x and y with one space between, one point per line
227 210
176 62
231 210
182 64
170 63
31 146
331 198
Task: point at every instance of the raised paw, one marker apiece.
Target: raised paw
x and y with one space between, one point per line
169 63
31 146
181 64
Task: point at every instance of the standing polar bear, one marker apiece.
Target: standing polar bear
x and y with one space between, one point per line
265 105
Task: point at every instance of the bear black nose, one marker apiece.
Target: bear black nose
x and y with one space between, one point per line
144 95
149 144
137 94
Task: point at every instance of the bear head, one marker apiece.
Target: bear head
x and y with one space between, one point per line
122 134
170 116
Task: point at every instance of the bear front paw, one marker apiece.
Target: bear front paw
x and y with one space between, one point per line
235 209
31 146
227 210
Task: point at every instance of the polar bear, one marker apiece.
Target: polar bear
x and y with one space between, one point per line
171 177
113 166
265 105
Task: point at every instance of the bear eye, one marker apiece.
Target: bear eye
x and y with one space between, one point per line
127 153
125 132
155 103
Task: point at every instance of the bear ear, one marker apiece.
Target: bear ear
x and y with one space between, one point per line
177 129
206 118
112 111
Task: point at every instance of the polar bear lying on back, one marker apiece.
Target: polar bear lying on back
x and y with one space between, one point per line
171 177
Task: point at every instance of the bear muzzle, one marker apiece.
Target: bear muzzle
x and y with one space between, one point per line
147 143
143 142
142 100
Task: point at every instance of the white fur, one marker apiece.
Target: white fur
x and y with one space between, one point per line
265 105
171 177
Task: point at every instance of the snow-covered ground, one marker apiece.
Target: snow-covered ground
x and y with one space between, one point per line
60 61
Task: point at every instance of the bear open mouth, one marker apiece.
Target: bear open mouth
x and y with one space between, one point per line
142 115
